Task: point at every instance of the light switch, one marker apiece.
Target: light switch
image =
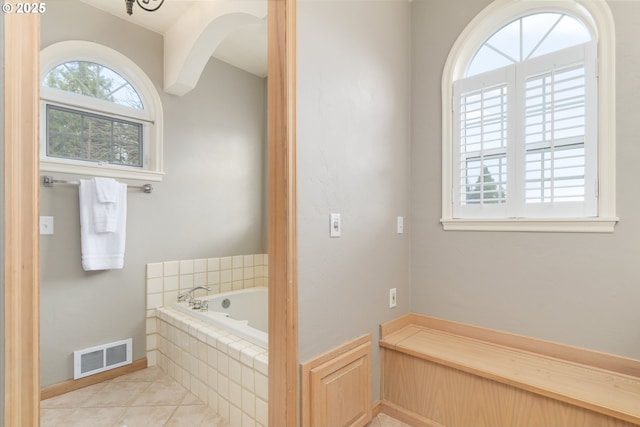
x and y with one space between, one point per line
46 225
334 225
400 225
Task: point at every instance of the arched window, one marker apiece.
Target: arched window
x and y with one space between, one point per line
526 144
100 114
528 37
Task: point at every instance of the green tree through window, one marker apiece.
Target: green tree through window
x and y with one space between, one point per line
95 81
77 135
485 190
80 135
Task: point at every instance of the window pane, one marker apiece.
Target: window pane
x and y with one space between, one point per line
507 41
528 37
484 180
569 32
93 80
535 29
555 175
486 59
483 139
78 135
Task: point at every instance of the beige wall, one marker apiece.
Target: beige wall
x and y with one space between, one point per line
580 289
353 158
210 203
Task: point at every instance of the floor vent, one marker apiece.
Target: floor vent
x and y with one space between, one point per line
101 358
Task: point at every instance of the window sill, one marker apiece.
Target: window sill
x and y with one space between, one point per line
543 225
106 170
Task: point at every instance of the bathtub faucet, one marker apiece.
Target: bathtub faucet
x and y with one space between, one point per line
183 296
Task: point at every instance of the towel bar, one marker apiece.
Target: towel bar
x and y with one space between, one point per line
48 181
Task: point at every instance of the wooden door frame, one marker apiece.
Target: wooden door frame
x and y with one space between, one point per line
21 214
282 219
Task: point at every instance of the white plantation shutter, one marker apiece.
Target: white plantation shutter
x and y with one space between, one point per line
481 116
525 139
559 134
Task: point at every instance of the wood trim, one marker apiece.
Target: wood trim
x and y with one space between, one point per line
21 205
610 362
327 364
406 416
376 408
333 353
398 323
71 385
282 225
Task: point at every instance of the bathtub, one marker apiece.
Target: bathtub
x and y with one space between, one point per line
242 313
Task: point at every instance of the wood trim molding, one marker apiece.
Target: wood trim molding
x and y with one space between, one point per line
333 353
21 205
398 323
610 362
71 385
282 227
376 409
408 417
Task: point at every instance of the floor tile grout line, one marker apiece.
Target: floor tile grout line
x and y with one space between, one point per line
175 410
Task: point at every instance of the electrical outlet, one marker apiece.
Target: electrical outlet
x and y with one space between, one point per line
393 298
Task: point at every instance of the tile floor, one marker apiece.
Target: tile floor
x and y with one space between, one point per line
146 398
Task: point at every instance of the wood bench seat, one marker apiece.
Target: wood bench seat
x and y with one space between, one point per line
611 393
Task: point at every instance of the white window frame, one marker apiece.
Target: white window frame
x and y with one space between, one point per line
151 116
595 14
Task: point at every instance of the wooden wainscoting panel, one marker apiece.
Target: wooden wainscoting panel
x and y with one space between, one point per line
336 389
454 398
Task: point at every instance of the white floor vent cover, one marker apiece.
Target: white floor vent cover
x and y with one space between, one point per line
101 358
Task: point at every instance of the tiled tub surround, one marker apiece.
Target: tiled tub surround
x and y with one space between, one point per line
228 373
165 280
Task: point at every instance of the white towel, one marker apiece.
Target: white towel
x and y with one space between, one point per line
100 250
105 205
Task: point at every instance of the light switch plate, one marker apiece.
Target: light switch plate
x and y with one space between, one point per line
46 225
334 225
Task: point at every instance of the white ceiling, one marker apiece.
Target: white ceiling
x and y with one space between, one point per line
245 48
